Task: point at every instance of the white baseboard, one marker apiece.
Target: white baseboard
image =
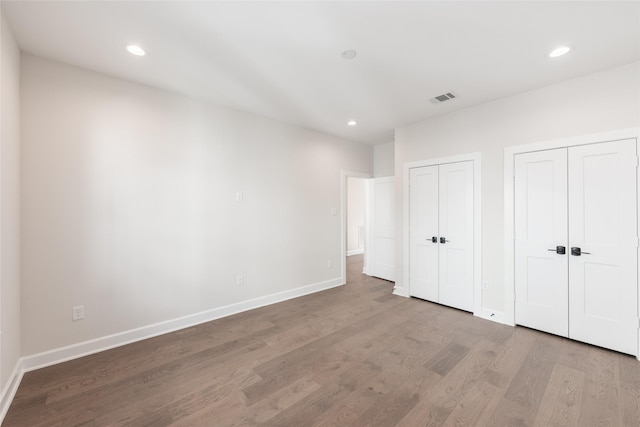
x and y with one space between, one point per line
10 389
494 316
401 291
75 351
355 252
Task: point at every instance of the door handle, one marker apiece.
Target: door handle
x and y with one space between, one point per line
434 239
576 251
560 250
443 240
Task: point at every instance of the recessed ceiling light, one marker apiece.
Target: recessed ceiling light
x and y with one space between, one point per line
559 51
352 123
136 50
349 54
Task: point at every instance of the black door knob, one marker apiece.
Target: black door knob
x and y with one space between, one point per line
434 239
560 250
576 251
443 240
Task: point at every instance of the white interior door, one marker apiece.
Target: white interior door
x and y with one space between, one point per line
603 224
381 257
423 229
441 234
540 234
455 276
582 198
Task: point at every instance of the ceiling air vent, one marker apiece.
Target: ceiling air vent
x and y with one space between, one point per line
442 98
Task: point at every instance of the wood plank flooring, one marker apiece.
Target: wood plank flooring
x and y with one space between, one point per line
350 356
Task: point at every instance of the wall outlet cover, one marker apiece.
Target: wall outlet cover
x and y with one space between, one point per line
77 312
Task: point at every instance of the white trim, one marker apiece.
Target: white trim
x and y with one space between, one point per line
367 224
355 252
74 351
493 315
638 231
10 389
343 218
593 138
403 289
509 154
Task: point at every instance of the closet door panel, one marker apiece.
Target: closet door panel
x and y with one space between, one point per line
603 224
382 255
423 226
541 271
456 227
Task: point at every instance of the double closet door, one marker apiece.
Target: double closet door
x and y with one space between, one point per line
576 243
441 234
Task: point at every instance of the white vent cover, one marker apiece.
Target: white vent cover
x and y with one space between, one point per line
443 98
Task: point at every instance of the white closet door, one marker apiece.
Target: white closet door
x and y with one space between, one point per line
603 224
382 228
423 226
540 225
456 228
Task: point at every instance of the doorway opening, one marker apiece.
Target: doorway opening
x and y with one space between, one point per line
354 218
356 215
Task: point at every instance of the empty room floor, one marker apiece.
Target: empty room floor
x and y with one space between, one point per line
354 355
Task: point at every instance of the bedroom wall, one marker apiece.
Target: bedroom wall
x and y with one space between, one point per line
384 160
593 103
129 205
9 206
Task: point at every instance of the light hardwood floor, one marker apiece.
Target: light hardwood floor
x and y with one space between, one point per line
351 356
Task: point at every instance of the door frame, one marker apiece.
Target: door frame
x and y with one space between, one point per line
509 200
476 158
343 218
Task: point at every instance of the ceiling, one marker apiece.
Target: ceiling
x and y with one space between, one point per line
283 59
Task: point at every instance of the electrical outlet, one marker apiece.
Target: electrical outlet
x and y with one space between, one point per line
485 284
240 280
329 264
77 312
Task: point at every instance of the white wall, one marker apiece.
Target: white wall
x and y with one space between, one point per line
594 103
356 188
9 204
129 205
384 160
